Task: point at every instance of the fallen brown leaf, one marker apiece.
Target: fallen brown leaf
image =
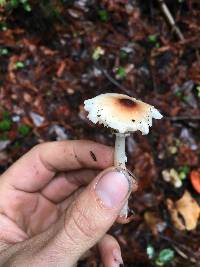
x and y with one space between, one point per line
155 223
184 212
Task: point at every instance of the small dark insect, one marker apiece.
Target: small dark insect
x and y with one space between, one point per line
133 120
93 156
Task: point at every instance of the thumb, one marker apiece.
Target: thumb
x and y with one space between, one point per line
93 212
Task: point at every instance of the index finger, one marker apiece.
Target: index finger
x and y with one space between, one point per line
36 168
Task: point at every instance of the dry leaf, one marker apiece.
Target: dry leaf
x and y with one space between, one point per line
155 223
184 212
195 180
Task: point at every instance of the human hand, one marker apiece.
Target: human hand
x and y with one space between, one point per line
53 207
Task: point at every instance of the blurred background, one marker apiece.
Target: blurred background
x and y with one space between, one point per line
55 54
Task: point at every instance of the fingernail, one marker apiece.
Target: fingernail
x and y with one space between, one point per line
113 188
117 258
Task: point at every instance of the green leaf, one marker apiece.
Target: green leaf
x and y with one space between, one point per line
3 51
2 2
14 3
103 15
121 72
19 65
24 129
184 169
98 52
183 172
182 175
6 114
27 7
152 38
198 91
5 124
157 45
150 251
165 256
178 94
123 54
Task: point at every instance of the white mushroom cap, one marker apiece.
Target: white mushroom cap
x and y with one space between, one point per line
121 112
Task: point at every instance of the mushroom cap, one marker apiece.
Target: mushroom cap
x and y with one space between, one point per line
121 112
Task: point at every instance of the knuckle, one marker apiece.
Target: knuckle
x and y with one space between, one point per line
69 233
40 146
82 222
37 148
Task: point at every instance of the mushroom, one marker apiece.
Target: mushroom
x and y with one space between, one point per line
124 114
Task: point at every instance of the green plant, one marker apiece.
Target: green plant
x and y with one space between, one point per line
121 72
2 2
157 45
123 54
165 256
178 94
12 4
6 122
182 96
19 65
198 90
152 38
5 125
103 15
150 252
5 114
24 129
53 9
183 172
3 51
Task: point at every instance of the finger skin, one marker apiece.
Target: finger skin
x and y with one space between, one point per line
82 226
87 220
35 169
110 252
64 184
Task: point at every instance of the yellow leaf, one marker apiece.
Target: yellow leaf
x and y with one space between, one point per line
184 212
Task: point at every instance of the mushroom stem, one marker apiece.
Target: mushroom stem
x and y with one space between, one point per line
120 160
120 155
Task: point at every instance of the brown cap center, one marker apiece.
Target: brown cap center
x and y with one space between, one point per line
127 102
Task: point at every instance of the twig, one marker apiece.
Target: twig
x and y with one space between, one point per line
183 118
170 19
111 79
182 246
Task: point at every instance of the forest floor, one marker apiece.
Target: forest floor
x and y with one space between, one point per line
48 67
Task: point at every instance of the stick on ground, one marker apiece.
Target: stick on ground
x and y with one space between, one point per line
170 19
